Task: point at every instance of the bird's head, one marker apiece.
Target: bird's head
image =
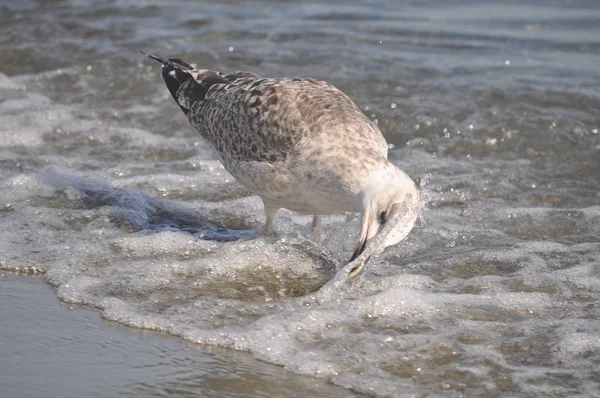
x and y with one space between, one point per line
391 203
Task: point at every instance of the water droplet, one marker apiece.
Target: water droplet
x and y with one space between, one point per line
470 127
507 62
230 49
393 105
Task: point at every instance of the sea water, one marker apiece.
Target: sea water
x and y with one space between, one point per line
108 192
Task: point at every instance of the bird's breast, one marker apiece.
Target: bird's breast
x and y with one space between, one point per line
295 186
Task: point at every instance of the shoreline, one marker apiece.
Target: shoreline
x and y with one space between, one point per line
50 348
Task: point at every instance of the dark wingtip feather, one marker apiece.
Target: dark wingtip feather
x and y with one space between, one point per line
179 63
176 73
174 62
174 78
154 57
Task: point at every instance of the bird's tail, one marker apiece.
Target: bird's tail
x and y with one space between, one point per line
186 84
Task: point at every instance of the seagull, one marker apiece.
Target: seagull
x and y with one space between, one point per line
299 144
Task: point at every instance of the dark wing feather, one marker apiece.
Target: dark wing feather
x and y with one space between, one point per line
185 88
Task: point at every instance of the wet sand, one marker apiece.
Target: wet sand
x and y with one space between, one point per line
51 349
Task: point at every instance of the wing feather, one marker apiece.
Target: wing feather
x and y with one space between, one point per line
255 119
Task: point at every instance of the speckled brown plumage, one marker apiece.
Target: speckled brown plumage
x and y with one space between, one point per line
289 140
254 119
300 144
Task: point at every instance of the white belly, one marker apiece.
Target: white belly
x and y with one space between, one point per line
294 188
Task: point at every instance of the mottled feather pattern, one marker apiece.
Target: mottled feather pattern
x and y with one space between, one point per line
255 119
244 121
299 144
286 139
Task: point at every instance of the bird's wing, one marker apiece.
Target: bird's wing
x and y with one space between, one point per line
254 119
248 118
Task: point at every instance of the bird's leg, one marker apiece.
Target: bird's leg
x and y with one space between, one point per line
316 225
270 215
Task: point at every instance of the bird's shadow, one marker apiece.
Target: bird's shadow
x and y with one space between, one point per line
136 211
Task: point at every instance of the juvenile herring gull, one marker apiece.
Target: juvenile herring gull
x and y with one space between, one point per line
299 144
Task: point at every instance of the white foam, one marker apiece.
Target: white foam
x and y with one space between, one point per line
578 346
162 243
7 83
157 235
29 126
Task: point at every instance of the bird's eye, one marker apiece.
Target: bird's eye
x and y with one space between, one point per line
383 217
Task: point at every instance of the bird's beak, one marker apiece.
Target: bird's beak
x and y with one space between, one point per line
370 227
362 242
375 238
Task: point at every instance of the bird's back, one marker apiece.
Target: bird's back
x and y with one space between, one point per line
249 118
299 143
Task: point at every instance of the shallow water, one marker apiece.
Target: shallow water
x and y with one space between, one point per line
53 350
107 191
